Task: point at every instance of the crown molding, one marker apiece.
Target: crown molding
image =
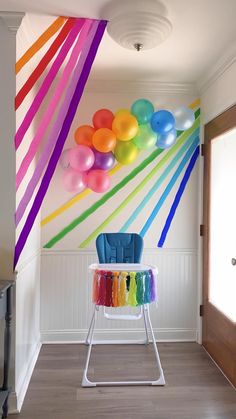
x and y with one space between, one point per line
139 86
12 20
226 60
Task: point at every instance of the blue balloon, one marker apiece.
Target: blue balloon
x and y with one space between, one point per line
142 109
162 122
167 140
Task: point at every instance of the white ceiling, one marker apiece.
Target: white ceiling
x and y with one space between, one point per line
203 30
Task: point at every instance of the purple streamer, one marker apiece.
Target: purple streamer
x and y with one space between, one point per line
90 56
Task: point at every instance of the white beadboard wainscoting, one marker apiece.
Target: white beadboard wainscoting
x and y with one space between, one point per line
66 298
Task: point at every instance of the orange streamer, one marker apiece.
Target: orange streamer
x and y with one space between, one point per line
40 42
115 286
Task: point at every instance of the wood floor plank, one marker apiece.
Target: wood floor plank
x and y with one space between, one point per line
195 387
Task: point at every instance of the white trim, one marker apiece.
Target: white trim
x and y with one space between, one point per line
151 251
12 20
78 336
22 385
23 265
140 86
218 69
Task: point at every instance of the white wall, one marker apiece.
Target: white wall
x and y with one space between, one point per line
65 289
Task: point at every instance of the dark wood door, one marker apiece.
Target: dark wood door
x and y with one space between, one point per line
219 250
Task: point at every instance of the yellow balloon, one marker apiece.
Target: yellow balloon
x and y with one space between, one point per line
125 126
126 152
122 111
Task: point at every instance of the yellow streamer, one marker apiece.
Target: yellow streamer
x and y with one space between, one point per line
122 290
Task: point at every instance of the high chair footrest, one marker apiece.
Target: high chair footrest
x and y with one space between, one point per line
123 316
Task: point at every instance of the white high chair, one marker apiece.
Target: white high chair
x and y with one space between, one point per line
126 248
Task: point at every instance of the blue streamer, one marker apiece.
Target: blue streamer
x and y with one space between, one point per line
178 197
158 183
169 188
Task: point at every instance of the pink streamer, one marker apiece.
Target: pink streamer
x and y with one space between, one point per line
52 105
47 82
57 126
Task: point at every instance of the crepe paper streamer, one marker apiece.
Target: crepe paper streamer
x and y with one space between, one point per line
75 199
153 279
115 289
55 131
195 104
40 42
85 193
140 186
108 301
102 288
44 62
159 182
168 189
140 288
132 290
178 196
86 61
122 290
147 288
95 287
30 114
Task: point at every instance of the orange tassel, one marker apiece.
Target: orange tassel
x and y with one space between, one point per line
115 286
95 287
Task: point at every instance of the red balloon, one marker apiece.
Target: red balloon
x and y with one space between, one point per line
103 118
98 180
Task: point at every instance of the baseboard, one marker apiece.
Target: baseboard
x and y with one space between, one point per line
78 336
17 398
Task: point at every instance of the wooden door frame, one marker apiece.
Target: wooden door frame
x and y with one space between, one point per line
218 126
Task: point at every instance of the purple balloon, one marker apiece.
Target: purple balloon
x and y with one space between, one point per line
103 161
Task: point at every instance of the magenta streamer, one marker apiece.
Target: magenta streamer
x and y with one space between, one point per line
90 56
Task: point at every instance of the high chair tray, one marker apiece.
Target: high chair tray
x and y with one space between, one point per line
126 267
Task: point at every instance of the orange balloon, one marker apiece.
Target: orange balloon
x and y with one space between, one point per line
104 140
125 126
103 119
84 134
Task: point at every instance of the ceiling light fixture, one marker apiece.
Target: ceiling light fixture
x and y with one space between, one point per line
138 24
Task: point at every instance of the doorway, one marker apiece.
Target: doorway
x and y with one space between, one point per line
219 258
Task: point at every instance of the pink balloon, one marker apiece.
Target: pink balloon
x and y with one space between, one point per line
99 181
74 181
64 159
81 158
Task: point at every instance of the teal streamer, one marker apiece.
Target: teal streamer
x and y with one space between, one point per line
147 290
169 187
160 180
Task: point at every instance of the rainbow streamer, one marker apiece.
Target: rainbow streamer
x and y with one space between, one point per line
168 188
55 131
159 182
86 61
118 289
178 196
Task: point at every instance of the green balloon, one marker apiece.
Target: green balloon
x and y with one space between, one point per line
146 138
125 152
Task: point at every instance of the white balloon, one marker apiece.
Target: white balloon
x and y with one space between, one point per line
184 118
64 159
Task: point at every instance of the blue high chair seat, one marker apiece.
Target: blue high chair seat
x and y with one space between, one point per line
119 248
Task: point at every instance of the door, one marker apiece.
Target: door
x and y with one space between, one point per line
219 256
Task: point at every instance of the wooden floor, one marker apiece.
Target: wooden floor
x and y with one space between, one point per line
195 388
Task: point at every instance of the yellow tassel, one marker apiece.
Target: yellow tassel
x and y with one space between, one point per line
132 290
115 285
122 290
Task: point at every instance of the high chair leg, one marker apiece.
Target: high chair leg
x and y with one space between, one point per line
90 327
